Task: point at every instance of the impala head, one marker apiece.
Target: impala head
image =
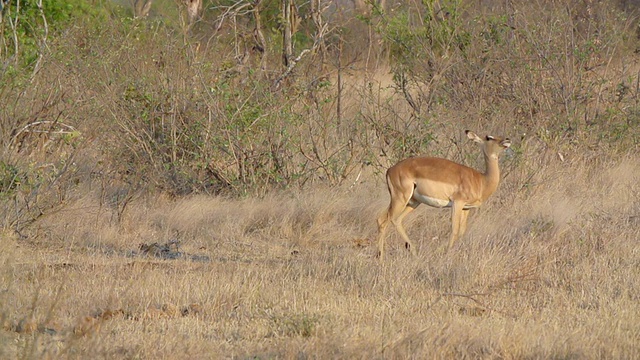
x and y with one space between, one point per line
491 146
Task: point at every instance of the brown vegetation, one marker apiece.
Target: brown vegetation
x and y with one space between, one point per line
161 198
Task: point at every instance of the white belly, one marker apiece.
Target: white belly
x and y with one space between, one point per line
431 201
435 202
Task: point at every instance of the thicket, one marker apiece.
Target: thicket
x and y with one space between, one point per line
96 101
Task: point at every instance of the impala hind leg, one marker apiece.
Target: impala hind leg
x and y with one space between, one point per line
397 210
383 222
400 228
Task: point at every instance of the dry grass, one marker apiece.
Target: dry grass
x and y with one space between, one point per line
547 270
108 251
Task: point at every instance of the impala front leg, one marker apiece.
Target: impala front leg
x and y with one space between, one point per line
463 222
457 217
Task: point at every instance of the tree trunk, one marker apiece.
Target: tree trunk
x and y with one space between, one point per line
194 7
318 21
141 8
287 46
258 36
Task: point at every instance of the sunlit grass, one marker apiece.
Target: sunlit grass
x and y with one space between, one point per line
295 273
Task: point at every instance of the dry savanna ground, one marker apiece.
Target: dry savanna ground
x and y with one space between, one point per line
164 195
548 269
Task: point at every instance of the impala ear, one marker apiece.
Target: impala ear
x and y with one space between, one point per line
506 143
472 136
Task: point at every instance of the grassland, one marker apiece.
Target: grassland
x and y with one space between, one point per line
179 208
546 272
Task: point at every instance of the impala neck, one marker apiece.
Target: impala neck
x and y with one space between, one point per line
491 175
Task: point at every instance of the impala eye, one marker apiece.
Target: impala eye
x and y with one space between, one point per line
489 137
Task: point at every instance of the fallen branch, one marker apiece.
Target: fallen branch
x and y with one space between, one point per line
292 65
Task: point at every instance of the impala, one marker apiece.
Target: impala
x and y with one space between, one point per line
440 183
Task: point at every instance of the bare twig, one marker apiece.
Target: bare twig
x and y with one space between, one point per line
69 129
292 65
321 32
43 41
237 9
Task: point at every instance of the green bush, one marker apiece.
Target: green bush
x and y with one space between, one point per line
27 25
